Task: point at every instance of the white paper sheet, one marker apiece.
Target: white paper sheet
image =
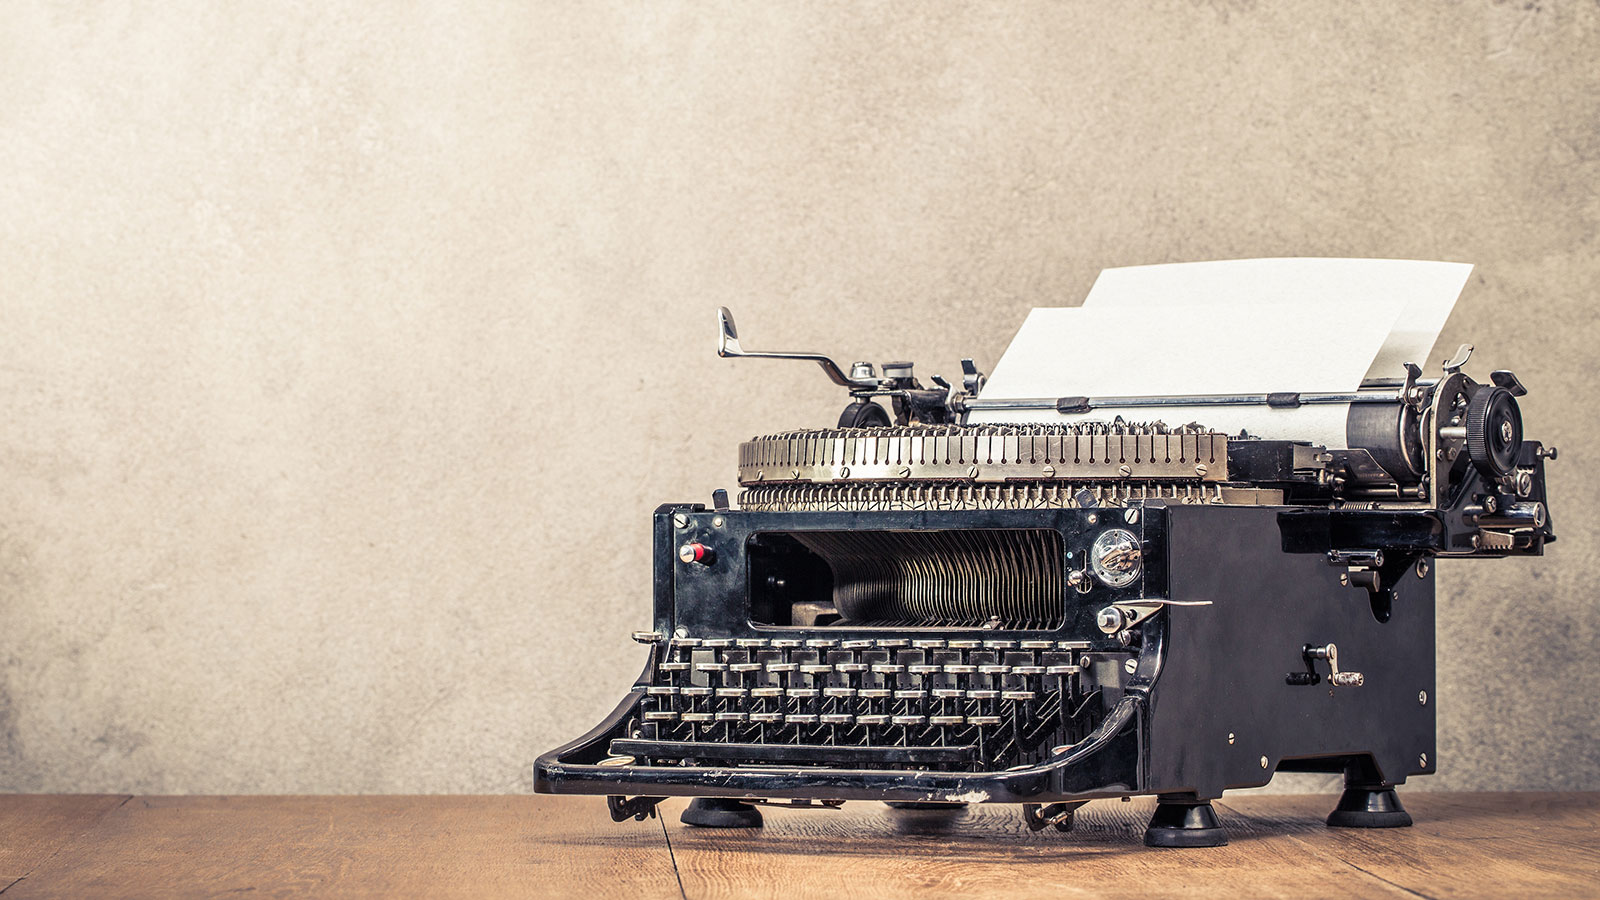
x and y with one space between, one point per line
1422 292
1182 350
1234 326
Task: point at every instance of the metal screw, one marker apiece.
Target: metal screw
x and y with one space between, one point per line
1049 471
844 471
716 521
681 631
1083 662
1344 578
972 472
1422 760
680 520
1230 738
1124 471
1130 666
1200 470
1263 762
1131 516
905 471
1422 697
1476 541
1505 431
1093 518
795 474
1422 568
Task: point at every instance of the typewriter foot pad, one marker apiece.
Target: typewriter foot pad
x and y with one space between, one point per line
720 812
1369 807
1184 822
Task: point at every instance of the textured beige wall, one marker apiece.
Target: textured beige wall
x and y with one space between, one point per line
346 347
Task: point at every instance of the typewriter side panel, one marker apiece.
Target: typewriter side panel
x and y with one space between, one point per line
1227 711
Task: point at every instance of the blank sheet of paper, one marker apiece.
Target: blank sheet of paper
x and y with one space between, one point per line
1421 292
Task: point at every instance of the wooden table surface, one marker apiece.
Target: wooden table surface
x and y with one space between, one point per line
1463 845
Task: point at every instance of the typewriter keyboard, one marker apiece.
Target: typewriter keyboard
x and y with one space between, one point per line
946 704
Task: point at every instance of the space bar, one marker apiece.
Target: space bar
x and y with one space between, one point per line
800 753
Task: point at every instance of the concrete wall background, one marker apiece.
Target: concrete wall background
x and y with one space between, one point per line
346 347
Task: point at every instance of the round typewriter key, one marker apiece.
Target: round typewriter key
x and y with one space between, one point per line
946 720
1036 645
685 642
995 670
745 667
661 690
1017 695
785 643
675 666
888 668
696 717
717 643
856 645
892 643
780 667
816 668
928 645
850 668
910 694
983 720
1062 670
908 720
999 645
839 692
711 667
697 692
648 637
982 695
873 693
766 717
947 693
960 669
873 719
963 645
661 715
802 693
837 718
731 692
766 692
730 717
1027 670
821 643
750 643
924 669
800 719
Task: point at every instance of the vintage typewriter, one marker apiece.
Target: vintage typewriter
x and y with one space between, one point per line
962 598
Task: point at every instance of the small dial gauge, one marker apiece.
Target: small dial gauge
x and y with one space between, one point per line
1116 557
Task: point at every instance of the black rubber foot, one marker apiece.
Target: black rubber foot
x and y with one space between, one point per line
925 805
720 812
1185 825
1369 807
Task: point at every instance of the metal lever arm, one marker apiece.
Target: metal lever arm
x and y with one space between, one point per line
728 346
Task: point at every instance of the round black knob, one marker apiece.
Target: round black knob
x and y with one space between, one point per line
1494 431
864 414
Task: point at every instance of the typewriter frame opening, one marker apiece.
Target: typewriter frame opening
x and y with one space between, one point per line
1010 578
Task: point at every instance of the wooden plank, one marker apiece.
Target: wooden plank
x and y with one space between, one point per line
35 826
868 850
360 847
1462 845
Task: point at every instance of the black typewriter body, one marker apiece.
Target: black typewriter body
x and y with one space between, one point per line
936 614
